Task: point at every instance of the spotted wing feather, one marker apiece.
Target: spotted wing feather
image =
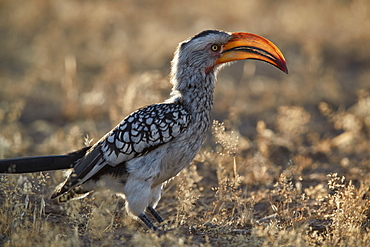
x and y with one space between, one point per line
143 131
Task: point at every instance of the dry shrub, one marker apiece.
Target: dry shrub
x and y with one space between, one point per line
348 210
337 215
292 121
231 207
289 203
21 209
187 194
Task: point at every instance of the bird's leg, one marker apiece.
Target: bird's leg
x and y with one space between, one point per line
155 214
147 221
155 197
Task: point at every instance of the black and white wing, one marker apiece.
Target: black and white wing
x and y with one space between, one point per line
139 133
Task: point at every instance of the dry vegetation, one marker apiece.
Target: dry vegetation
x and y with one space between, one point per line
287 163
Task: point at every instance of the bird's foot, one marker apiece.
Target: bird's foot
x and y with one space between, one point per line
147 221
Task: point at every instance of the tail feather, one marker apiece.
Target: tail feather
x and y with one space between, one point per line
87 167
73 194
41 163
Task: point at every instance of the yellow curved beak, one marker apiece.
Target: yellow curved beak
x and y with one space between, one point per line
250 46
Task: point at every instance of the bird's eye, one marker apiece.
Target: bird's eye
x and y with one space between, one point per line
215 47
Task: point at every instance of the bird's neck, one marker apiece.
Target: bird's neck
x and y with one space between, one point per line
194 90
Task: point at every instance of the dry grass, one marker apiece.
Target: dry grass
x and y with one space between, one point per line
287 163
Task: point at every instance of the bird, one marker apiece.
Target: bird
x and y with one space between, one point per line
154 143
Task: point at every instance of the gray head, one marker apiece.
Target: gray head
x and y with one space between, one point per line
200 56
201 51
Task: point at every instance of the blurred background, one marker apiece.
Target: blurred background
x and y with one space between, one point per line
71 70
68 64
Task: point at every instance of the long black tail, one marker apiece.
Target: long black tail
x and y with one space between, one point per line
41 163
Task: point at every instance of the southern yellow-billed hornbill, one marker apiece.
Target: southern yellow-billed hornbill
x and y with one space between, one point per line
156 142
